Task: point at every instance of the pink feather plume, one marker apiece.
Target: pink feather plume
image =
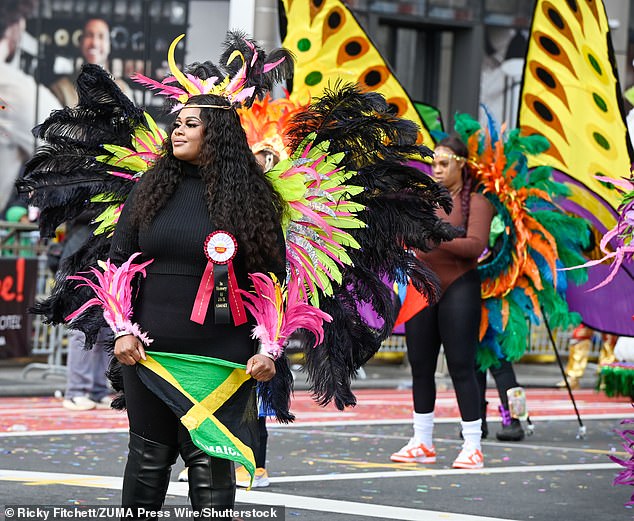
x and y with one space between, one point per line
113 291
280 311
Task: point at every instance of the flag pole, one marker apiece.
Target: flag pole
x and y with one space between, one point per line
581 432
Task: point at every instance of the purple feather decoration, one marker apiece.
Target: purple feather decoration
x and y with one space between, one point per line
626 476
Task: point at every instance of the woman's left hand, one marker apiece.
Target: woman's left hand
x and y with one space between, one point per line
261 367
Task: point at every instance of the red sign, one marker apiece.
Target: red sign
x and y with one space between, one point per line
18 278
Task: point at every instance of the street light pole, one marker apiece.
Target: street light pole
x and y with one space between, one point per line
266 24
242 15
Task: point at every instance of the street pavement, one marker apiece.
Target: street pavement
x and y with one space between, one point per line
332 465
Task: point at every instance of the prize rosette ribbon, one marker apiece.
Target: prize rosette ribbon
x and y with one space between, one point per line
219 281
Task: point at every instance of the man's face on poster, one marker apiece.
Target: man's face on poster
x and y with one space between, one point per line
95 42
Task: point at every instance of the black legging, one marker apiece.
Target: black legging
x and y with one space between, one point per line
148 415
455 322
504 376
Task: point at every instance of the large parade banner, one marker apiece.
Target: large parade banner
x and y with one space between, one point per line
18 277
569 64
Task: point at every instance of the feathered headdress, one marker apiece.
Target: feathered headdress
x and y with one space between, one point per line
249 73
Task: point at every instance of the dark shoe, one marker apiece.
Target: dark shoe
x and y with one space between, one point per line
513 432
212 481
147 474
511 427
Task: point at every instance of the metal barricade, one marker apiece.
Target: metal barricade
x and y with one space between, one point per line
538 343
541 346
394 349
48 340
20 240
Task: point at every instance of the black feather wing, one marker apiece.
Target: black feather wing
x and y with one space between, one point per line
64 177
401 204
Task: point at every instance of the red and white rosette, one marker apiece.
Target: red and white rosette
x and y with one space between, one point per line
219 281
220 247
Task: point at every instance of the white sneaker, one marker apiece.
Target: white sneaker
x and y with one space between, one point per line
183 476
260 479
469 459
79 403
104 403
415 452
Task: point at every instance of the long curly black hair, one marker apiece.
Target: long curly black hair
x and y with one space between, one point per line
240 199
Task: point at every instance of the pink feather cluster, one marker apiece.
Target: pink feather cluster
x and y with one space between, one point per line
113 291
621 237
279 312
312 232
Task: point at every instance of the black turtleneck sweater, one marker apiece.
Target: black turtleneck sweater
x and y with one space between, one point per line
175 240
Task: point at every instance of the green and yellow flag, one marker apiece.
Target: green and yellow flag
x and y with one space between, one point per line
214 399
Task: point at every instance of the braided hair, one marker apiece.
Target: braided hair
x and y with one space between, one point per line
458 147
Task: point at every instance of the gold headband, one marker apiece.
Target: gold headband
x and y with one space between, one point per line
450 156
201 106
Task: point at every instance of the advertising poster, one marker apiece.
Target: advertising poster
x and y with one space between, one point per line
17 293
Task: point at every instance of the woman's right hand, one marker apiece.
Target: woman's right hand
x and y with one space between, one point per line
129 350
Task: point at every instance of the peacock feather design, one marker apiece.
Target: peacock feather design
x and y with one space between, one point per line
531 240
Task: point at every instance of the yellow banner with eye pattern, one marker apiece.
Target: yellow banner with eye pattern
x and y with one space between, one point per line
330 45
571 95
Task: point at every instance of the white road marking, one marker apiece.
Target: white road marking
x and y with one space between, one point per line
60 432
337 423
456 419
524 469
351 508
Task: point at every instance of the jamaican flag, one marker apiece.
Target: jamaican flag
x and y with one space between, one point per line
213 398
